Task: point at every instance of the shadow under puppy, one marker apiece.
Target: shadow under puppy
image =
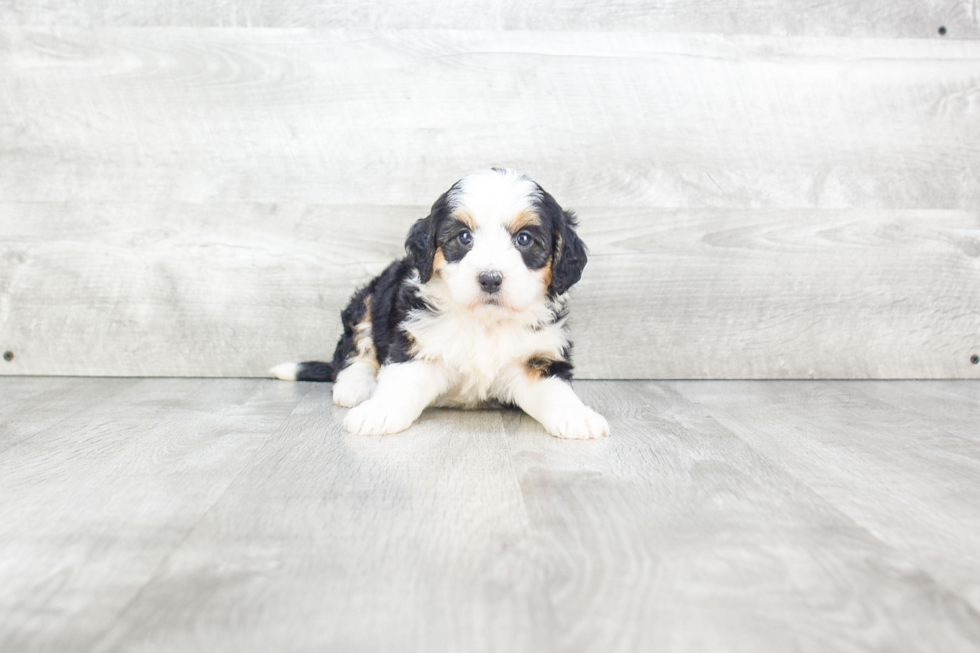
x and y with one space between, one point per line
476 312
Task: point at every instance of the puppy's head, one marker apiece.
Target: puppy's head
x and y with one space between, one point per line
496 238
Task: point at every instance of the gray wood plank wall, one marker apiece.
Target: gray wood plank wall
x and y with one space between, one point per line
791 17
195 190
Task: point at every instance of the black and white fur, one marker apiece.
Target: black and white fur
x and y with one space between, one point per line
474 313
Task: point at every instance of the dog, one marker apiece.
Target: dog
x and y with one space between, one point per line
475 314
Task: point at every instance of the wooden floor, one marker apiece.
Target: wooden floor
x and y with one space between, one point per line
236 515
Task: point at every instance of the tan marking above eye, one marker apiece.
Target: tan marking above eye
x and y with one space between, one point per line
522 220
464 217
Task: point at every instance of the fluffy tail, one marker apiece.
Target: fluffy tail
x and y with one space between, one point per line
308 371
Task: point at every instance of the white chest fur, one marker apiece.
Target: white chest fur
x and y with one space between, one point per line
483 349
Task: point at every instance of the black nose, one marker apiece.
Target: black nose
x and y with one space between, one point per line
490 281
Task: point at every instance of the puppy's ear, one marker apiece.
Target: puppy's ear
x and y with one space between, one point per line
421 241
569 256
421 247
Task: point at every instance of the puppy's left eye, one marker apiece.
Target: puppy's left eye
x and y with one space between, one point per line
523 239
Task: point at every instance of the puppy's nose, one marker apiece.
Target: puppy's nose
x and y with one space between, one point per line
490 281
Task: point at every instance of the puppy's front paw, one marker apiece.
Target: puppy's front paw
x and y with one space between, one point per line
581 423
376 418
352 392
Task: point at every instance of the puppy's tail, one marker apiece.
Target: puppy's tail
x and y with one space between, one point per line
308 371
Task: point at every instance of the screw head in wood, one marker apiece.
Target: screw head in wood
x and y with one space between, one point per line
8 356
942 30
975 359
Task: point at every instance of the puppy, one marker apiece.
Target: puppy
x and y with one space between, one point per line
475 313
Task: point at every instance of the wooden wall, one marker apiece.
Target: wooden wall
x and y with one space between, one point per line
194 189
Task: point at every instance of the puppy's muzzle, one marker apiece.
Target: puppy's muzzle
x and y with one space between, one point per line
490 281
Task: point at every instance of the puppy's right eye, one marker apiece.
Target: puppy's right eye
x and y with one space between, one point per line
465 238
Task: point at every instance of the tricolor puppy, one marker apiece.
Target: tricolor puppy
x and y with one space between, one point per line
475 313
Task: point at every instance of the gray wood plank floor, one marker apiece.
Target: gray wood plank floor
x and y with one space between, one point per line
236 515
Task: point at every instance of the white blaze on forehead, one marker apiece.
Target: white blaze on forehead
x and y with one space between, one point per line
494 197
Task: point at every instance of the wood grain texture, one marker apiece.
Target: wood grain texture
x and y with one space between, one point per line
409 544
235 515
696 540
32 405
230 290
94 503
902 474
198 201
797 17
600 119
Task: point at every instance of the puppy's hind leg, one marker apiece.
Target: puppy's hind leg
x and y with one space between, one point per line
355 383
